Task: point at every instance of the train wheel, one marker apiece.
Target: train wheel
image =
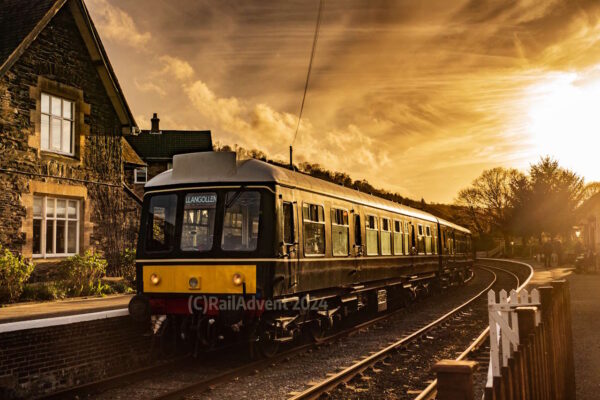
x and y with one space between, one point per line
263 343
317 330
267 345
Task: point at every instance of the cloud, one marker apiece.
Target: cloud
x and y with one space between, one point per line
180 69
149 87
259 126
115 24
417 97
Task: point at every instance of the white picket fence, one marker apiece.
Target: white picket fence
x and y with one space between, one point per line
504 326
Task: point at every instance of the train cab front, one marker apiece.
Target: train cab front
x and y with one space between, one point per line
203 254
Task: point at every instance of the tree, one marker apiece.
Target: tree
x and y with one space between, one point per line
488 200
554 195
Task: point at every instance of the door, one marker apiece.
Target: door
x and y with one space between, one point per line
358 248
290 241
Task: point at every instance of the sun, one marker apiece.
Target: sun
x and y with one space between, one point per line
564 121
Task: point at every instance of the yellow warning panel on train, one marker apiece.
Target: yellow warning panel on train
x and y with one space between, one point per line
213 279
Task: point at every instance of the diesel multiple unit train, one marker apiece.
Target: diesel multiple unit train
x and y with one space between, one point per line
246 249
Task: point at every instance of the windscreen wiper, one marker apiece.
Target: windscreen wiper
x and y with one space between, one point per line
236 195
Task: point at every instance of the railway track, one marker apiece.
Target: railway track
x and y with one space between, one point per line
478 351
194 387
335 385
89 389
255 367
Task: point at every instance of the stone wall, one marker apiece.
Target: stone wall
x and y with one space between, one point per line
58 61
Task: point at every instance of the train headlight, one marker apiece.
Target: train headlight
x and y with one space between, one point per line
193 282
237 279
155 279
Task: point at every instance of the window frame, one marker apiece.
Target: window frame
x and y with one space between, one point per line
43 254
367 229
324 223
250 227
407 237
135 175
62 119
177 225
400 232
331 210
389 231
179 230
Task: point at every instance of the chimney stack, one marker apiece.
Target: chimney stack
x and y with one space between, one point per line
155 120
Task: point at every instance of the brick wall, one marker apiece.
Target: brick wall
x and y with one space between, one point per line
58 56
38 361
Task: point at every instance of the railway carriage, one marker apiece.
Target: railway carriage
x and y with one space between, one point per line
215 228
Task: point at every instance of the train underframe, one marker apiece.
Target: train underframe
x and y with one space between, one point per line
199 324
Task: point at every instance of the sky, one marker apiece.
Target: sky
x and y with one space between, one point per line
417 97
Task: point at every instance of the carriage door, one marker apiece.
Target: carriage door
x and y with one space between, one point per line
358 248
290 240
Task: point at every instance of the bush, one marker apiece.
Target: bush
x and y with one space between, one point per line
116 285
14 272
127 261
82 274
42 291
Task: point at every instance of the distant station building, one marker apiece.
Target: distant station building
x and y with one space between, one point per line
157 147
63 117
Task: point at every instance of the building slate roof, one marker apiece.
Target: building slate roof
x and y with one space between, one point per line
22 20
17 20
129 155
165 145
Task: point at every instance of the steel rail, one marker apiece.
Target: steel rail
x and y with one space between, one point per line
247 369
348 373
430 390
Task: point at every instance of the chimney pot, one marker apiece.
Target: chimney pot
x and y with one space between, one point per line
155 124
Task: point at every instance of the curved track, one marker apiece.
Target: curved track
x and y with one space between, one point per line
350 372
474 351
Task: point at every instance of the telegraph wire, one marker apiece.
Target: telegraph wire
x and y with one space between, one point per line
312 56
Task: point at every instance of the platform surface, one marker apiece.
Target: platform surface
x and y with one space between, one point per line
62 308
585 312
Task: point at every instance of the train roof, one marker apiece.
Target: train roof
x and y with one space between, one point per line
222 167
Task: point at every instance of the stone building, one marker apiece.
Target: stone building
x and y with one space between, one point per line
157 147
62 119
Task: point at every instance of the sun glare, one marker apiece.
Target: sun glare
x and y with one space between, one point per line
564 122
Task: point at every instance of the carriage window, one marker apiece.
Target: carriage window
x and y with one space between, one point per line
340 231
160 225
372 236
241 220
198 226
314 229
288 223
398 240
386 237
428 244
